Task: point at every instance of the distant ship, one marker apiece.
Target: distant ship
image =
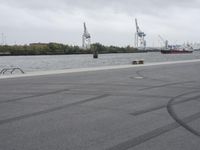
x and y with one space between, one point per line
174 51
184 49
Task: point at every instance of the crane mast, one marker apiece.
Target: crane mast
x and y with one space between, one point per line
137 27
140 41
86 38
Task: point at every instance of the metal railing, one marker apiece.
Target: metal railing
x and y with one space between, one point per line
11 70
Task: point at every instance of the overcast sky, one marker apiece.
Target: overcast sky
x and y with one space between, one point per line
110 22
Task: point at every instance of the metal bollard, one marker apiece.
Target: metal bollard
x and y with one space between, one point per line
135 62
138 62
141 61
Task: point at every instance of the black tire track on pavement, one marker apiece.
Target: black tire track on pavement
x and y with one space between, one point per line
10 120
165 85
153 134
33 96
172 113
141 112
157 132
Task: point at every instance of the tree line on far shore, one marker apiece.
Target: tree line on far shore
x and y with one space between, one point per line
61 49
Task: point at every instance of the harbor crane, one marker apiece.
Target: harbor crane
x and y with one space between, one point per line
164 41
139 37
86 38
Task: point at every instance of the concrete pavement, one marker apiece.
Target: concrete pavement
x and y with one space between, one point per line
142 108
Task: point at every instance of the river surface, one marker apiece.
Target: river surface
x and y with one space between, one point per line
57 62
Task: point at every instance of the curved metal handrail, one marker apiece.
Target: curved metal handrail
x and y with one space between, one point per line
3 71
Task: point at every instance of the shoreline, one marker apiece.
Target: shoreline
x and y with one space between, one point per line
77 54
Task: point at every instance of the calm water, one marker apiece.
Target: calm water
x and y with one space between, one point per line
41 63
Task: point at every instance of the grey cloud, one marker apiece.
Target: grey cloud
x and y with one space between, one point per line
104 17
127 5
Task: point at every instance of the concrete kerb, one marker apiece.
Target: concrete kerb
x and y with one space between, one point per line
78 70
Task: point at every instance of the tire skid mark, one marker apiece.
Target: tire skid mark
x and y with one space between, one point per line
153 134
141 112
157 132
33 96
181 122
165 85
10 120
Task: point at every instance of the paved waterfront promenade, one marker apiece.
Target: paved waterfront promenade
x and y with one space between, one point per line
152 107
